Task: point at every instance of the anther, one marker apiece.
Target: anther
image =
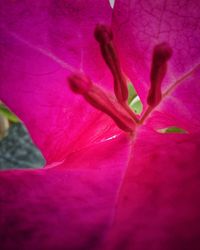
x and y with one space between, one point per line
104 36
80 84
161 54
99 99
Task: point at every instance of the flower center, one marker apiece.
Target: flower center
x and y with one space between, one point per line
99 99
117 106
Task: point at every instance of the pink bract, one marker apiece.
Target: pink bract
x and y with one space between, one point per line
42 43
105 189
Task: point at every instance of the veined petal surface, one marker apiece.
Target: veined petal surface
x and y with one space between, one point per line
140 25
42 43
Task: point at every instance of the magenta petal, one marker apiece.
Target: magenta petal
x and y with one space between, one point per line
39 49
140 25
61 28
158 205
73 38
182 106
62 208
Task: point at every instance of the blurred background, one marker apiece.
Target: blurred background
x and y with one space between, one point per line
17 149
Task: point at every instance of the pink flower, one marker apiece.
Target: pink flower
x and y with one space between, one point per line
113 180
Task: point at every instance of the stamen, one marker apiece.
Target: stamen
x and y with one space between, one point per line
104 36
100 100
80 84
161 54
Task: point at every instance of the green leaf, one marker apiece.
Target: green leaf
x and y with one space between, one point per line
131 93
137 106
172 129
8 114
134 100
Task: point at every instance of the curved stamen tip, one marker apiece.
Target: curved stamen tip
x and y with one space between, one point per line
103 33
79 83
162 52
99 99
